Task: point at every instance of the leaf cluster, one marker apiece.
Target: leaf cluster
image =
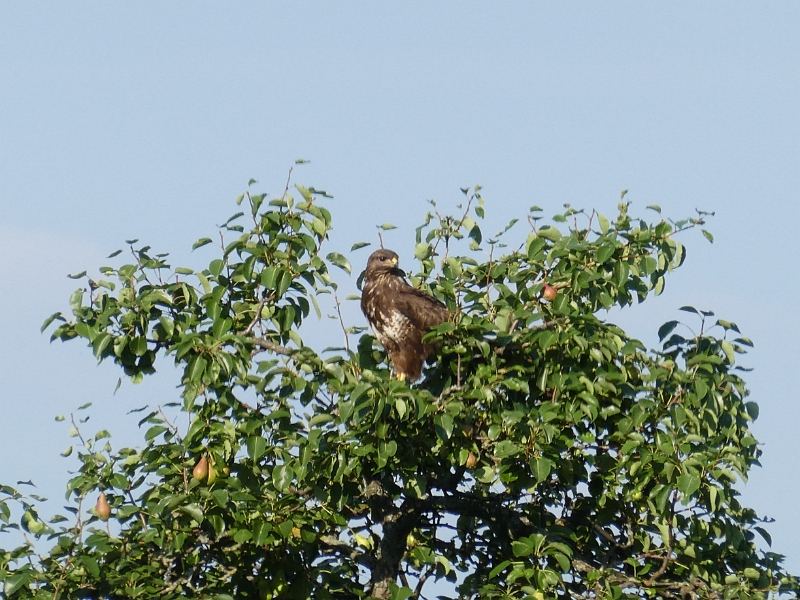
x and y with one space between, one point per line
546 452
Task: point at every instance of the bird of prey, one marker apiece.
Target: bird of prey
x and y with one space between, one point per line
399 314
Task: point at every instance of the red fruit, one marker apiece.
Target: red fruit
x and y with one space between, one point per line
549 293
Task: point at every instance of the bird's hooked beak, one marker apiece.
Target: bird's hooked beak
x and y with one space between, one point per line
394 261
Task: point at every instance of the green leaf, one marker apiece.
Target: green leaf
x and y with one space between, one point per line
547 338
444 426
90 562
15 582
658 288
194 511
763 533
340 261
320 419
422 251
304 193
76 301
284 284
541 467
536 248
727 348
261 533
708 235
506 448
549 233
256 447
50 319
605 252
201 242
603 223
485 474
727 325
221 497
751 573
204 282
282 476
688 484
100 343
666 329
386 450
400 407
522 547
680 256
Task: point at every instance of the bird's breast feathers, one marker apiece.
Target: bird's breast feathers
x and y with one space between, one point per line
393 325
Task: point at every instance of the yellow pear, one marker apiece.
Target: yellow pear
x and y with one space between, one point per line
200 471
102 508
471 461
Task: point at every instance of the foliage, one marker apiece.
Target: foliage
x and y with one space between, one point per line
545 454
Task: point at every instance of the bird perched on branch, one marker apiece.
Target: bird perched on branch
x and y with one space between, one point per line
399 314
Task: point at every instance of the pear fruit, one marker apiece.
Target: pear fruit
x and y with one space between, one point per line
549 293
200 471
212 474
471 461
102 508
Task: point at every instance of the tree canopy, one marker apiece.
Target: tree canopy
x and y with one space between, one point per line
545 453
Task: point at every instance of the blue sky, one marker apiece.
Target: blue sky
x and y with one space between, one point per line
145 120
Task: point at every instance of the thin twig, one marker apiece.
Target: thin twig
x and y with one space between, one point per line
171 426
422 579
78 431
139 262
589 227
139 512
668 550
256 318
341 322
288 181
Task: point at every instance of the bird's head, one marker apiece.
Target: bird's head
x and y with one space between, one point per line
382 261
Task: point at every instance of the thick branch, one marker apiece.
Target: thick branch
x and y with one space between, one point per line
344 548
396 527
272 346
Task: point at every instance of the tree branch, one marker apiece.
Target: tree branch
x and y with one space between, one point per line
268 346
337 545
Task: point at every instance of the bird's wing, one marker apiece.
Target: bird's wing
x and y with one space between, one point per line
423 310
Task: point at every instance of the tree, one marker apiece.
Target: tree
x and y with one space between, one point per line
545 454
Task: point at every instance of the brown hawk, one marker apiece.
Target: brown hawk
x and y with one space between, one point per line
399 314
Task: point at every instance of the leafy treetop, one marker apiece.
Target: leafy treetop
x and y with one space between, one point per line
545 454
